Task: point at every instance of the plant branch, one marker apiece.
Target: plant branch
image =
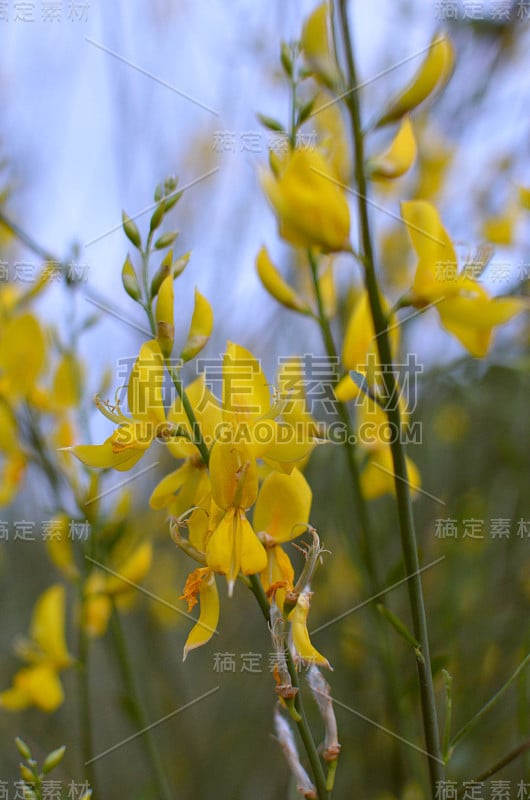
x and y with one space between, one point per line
303 726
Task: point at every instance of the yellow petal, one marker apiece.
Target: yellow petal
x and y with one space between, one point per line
97 606
41 685
165 323
11 477
377 478
253 555
279 570
399 156
312 208
291 384
60 548
347 390
332 135
328 289
289 444
8 429
22 353
14 699
131 571
316 44
208 414
283 506
499 230
472 319
300 634
200 329
524 197
276 286
234 547
103 456
234 475
434 249
433 73
170 484
206 626
47 626
246 392
359 350
144 393
67 383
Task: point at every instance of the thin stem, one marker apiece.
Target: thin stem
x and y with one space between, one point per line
163 788
511 756
491 702
303 726
403 497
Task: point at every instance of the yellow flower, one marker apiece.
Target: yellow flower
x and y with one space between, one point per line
466 310
280 515
134 434
250 417
233 545
22 356
359 350
102 588
14 460
47 654
375 434
316 45
312 209
201 582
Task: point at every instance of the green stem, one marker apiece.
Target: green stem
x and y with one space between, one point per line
303 726
163 788
403 497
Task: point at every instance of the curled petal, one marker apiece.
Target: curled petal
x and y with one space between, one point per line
200 329
206 626
433 73
399 156
300 634
275 284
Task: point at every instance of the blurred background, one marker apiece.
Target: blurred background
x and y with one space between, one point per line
101 102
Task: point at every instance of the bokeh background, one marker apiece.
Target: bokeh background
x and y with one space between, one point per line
100 105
